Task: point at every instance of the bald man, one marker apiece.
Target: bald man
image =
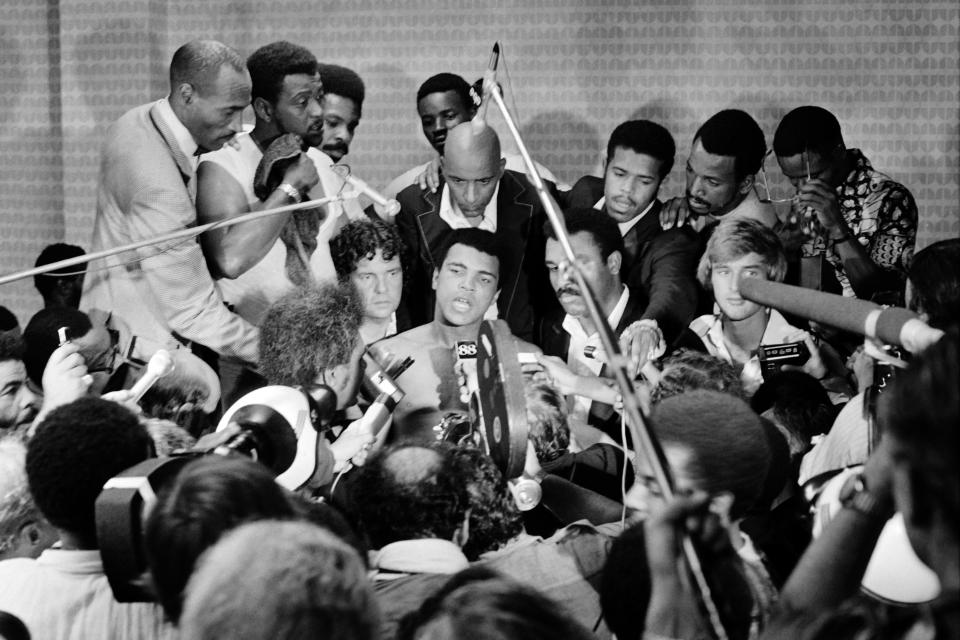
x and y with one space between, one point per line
477 191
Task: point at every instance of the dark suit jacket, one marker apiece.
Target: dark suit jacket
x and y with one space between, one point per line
555 341
525 291
662 264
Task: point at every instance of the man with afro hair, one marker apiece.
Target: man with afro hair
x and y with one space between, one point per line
64 593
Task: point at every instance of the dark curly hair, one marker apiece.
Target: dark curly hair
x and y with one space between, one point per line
735 133
443 82
42 339
410 491
271 63
209 497
547 420
361 239
76 449
494 517
11 347
344 82
688 370
309 330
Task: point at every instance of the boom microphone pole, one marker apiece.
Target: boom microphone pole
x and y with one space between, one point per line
638 428
173 235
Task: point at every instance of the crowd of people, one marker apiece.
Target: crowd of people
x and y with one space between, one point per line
792 478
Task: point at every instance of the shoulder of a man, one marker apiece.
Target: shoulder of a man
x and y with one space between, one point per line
585 192
136 156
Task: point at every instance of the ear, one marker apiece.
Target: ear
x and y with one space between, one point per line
263 109
503 166
462 534
614 262
436 276
746 184
186 93
30 536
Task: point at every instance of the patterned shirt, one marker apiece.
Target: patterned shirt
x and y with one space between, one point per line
881 215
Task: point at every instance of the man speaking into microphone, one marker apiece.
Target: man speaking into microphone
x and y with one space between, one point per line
465 284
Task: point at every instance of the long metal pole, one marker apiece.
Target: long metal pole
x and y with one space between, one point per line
635 422
174 235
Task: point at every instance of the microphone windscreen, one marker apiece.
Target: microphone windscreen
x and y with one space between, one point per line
274 439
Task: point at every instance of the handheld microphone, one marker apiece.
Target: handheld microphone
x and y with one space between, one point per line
390 207
160 364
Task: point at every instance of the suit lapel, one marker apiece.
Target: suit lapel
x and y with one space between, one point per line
513 215
429 224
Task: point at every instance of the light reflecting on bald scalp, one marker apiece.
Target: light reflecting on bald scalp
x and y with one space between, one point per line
472 167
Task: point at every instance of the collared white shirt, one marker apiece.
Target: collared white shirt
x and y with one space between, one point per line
629 224
579 340
180 132
450 212
710 330
426 555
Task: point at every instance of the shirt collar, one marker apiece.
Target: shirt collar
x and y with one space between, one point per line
572 325
184 140
430 555
629 224
450 212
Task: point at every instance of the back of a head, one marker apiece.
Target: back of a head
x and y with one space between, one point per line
647 138
729 451
12 347
547 420
602 228
45 282
75 450
8 321
734 238
198 64
271 63
686 370
799 403
494 518
362 239
736 134
42 338
209 497
288 580
807 129
410 492
500 609
443 82
343 82
921 410
935 282
309 330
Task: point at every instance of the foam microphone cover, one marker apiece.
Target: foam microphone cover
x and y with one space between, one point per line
273 438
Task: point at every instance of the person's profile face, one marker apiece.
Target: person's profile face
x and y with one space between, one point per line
725 280
712 186
380 283
646 491
465 285
298 108
440 112
630 183
18 403
599 274
215 113
340 120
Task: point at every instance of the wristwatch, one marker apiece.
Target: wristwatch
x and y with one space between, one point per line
855 495
290 191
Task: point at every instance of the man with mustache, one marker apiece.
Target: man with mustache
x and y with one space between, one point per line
343 94
570 340
465 281
477 192
727 152
19 404
660 264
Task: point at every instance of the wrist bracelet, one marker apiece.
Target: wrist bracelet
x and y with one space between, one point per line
290 191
